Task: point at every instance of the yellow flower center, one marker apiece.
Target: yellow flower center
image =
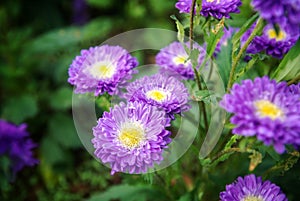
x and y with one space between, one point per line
210 1
265 108
277 36
157 95
131 135
180 60
102 70
252 198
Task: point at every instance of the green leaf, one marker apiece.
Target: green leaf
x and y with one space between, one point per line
270 150
61 128
62 98
180 29
18 109
289 67
126 192
223 61
101 4
194 57
236 37
60 41
186 197
214 38
206 96
51 151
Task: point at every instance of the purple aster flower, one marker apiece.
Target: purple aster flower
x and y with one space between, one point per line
252 188
215 8
174 60
264 108
275 44
284 12
131 137
15 143
166 93
101 69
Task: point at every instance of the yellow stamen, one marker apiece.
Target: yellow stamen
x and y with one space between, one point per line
102 70
210 1
131 135
180 60
265 108
277 36
157 95
252 198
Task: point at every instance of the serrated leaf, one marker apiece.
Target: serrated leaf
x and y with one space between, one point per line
289 67
62 98
61 129
130 193
18 109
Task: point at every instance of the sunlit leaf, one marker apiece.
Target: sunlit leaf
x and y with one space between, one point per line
289 67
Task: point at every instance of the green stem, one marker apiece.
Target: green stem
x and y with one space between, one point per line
201 104
258 27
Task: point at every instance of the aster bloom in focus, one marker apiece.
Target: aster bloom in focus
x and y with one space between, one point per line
215 8
252 188
274 43
16 144
131 137
174 60
264 108
284 12
101 69
166 93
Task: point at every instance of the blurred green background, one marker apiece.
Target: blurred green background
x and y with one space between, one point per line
38 41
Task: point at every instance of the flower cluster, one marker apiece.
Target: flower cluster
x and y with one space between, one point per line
101 69
174 60
215 8
266 109
16 144
252 188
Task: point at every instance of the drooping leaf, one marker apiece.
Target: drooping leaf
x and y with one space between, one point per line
289 67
